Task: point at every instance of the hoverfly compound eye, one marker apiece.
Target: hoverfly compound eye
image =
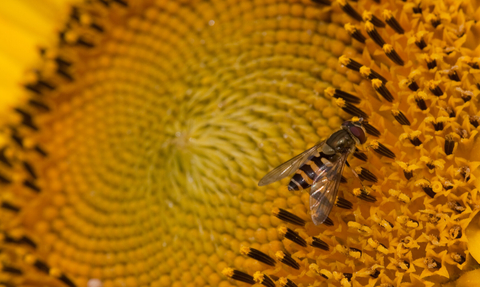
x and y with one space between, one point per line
359 133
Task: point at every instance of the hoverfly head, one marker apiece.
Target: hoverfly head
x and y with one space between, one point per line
356 130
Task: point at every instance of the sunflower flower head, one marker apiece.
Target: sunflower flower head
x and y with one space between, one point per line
135 158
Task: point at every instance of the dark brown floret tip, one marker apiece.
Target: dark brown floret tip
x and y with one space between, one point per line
360 155
258 255
289 217
339 94
368 16
295 237
263 279
287 283
355 33
382 90
349 10
328 222
371 74
383 150
9 206
373 33
239 276
322 2
365 174
287 259
455 232
353 110
400 117
343 203
393 55
392 22
429 191
318 243
449 145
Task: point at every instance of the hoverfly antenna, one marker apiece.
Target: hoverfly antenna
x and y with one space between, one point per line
360 120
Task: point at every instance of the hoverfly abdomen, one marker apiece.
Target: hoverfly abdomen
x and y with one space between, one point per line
306 175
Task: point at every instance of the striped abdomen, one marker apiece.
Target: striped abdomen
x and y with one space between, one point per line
303 178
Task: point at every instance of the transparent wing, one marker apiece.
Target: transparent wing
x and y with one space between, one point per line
290 166
325 189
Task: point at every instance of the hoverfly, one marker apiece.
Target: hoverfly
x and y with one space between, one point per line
321 167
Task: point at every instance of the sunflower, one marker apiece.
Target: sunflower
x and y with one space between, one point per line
132 152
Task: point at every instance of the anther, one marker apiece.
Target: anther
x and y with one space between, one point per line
263 279
453 75
38 105
400 117
322 2
420 100
328 222
368 16
426 187
371 74
285 282
457 257
350 63
434 88
371 130
287 259
365 174
392 54
360 155
455 206
3 157
474 120
29 169
343 203
318 243
373 33
382 90
4 179
432 264
355 33
382 150
431 63
455 232
31 185
349 10
293 236
238 275
339 94
449 145
41 151
362 194
286 216
11 270
257 255
351 109
392 22
9 206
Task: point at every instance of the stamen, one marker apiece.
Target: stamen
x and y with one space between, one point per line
378 246
382 150
434 88
382 90
371 130
4 179
373 33
457 257
293 236
349 10
425 185
257 255
322 2
432 264
399 195
420 100
371 74
453 75
287 259
360 155
285 282
392 22
318 243
363 194
474 121
455 232
351 109
368 16
431 63
343 179
9 206
31 185
449 145
29 169
365 174
400 117
328 222
392 54
263 279
455 206
349 63
286 216
355 33
343 203
339 94
238 275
